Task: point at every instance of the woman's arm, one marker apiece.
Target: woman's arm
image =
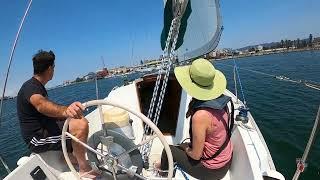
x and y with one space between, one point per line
200 124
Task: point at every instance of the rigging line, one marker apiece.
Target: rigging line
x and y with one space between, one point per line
174 30
11 56
238 75
301 162
97 90
165 65
314 82
100 108
176 167
258 72
5 165
310 84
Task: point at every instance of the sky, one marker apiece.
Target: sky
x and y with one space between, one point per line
123 32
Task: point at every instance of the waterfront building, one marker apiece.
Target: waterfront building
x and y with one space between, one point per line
102 73
259 48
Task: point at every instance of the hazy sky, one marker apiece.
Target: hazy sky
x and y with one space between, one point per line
126 31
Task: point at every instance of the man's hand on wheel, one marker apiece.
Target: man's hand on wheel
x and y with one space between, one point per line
74 110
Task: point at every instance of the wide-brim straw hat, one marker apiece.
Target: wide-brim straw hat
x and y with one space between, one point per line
201 80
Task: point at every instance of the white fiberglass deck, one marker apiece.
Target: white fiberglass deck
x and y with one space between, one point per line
251 158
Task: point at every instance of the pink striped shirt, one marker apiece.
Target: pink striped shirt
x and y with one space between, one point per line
215 139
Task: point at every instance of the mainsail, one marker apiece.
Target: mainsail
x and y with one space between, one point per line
200 29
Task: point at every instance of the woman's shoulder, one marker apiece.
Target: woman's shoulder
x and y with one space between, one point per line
201 115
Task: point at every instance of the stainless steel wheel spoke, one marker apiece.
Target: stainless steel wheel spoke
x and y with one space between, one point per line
136 146
84 144
103 151
108 159
114 174
128 171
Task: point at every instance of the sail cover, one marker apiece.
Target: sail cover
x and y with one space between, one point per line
200 28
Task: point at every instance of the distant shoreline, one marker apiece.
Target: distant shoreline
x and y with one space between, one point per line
266 53
7 98
217 59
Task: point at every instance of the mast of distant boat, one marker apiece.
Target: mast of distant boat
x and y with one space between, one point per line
103 65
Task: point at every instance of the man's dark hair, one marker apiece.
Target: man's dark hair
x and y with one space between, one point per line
42 61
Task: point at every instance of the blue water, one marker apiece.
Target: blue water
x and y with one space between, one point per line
284 111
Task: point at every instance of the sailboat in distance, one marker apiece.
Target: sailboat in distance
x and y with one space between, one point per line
132 125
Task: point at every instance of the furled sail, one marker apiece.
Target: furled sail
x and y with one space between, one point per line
200 28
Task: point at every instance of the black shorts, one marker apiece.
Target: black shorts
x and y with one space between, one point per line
44 141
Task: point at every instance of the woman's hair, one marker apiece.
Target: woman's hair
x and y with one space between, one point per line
189 112
42 61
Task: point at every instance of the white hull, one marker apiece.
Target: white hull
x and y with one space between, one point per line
251 157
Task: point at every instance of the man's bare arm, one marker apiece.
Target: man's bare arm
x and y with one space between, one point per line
51 109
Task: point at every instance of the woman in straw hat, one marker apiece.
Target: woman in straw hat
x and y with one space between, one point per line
209 154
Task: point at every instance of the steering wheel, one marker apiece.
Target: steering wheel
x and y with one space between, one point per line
110 160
